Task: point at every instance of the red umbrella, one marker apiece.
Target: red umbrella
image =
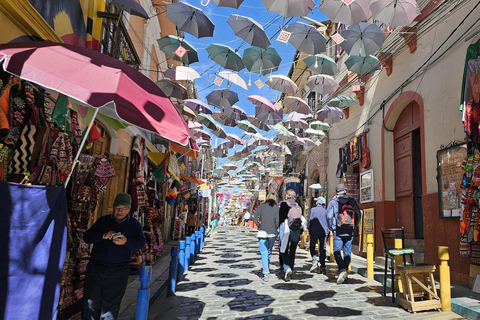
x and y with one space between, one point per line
100 81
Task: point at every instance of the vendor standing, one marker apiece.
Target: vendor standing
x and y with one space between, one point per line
114 237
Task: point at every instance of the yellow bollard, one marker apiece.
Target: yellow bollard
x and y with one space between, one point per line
444 271
302 240
370 256
332 257
398 262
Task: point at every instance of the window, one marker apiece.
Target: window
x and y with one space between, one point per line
366 187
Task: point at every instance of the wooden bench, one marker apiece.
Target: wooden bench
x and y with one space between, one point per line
419 292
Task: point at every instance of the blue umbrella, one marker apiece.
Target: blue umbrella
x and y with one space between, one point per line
363 65
225 56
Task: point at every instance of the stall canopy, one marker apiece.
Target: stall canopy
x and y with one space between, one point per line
184 151
191 179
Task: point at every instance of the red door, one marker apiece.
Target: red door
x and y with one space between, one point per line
404 185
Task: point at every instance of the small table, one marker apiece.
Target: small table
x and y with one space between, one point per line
419 292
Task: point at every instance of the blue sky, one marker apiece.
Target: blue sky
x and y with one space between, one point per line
223 34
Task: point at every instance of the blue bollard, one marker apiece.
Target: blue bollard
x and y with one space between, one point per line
202 238
181 261
192 249
143 297
188 240
172 276
197 244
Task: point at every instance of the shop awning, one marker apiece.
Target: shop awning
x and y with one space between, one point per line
159 157
197 181
185 151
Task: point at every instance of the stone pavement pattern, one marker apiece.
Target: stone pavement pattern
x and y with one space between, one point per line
225 283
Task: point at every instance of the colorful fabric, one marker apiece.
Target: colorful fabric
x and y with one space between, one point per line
61 155
103 173
23 153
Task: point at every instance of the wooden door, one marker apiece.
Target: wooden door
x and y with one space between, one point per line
404 196
116 184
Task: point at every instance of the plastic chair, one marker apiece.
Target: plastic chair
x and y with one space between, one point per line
389 236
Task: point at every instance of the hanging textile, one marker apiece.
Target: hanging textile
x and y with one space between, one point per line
103 173
22 155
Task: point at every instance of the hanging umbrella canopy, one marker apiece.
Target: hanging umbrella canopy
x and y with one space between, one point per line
281 129
247 126
198 106
261 102
225 145
222 98
190 19
219 132
225 56
297 115
223 119
186 111
306 38
342 102
394 12
172 88
117 89
237 156
297 104
258 124
249 30
169 44
235 138
319 125
219 153
130 6
281 83
194 125
262 142
228 3
261 61
203 143
308 142
233 78
329 112
322 84
296 123
321 64
207 121
248 148
235 113
229 166
269 117
201 134
347 14
289 8
273 164
363 65
362 39
275 147
181 73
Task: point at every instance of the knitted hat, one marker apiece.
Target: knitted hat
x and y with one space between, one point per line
123 199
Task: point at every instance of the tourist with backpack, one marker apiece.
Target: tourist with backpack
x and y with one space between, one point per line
294 223
343 216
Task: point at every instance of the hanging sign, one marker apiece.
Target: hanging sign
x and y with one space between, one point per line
347 2
284 36
259 84
277 106
180 52
337 37
218 81
356 88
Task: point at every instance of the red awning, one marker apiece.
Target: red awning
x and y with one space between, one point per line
197 181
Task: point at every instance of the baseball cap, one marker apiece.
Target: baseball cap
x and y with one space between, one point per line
340 187
123 199
320 200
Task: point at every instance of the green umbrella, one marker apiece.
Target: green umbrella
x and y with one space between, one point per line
261 61
207 121
170 44
321 64
319 125
247 126
225 56
342 102
281 129
363 65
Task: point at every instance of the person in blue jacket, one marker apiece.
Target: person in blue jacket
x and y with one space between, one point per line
114 237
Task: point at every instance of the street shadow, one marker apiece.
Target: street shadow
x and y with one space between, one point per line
291 286
323 310
382 301
229 255
232 283
354 281
302 276
377 289
223 275
189 286
245 299
242 266
317 295
268 316
226 261
192 309
194 269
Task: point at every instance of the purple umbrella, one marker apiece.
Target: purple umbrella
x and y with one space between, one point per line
258 124
329 112
235 138
269 117
248 148
197 105
225 145
298 115
275 147
235 113
261 102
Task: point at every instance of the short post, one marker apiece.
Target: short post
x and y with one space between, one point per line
181 261
370 256
197 244
332 257
444 271
398 262
192 248
172 276
143 297
202 238
302 240
188 240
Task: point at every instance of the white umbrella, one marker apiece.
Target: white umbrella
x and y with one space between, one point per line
281 83
181 73
297 104
234 78
322 84
347 14
317 186
289 8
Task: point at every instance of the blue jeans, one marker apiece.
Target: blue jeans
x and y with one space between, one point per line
281 230
346 242
266 246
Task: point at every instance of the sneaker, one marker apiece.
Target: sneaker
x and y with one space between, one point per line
342 277
266 277
314 267
323 270
288 274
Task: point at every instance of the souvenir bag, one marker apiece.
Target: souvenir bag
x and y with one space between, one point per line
61 156
365 153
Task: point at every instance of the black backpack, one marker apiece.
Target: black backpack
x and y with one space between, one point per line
346 213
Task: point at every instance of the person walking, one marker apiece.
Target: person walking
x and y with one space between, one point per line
267 220
291 211
191 222
246 217
343 216
114 237
318 230
213 223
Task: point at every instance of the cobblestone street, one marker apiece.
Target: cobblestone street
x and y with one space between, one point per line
225 283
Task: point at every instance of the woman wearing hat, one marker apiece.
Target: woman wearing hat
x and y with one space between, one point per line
267 221
318 229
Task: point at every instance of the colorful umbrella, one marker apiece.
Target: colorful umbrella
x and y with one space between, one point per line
269 117
342 102
172 88
223 119
201 142
222 98
321 64
170 44
347 13
235 113
194 125
249 30
308 142
281 83
362 39
233 78
225 56
261 61
181 73
297 104
235 138
363 65
258 124
207 121
289 8
394 12
198 106
322 84
229 166
261 102
201 134
247 126
306 38
190 19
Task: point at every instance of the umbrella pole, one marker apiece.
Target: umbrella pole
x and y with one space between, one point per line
81 146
